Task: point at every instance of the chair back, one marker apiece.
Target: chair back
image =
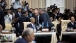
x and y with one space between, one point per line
8 26
64 24
25 24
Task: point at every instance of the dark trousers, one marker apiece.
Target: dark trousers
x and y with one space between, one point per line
18 30
57 34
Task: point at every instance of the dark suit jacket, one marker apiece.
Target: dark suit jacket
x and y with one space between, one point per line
17 15
2 22
72 26
59 15
21 40
30 25
46 19
40 20
21 20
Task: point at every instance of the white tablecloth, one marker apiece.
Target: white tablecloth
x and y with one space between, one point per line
13 36
66 33
53 38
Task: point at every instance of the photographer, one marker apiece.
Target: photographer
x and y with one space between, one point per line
3 4
17 4
25 6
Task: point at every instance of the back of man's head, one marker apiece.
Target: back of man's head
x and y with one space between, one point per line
28 34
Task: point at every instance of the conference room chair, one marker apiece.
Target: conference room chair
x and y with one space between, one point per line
8 26
25 24
64 24
55 23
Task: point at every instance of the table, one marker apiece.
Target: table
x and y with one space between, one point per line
53 39
6 42
66 33
13 36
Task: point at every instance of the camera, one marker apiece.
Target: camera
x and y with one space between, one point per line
53 6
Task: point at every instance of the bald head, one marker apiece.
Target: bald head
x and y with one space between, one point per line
33 20
28 34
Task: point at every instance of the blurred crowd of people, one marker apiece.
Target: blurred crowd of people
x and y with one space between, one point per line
39 17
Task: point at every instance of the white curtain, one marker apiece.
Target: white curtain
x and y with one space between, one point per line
70 4
32 3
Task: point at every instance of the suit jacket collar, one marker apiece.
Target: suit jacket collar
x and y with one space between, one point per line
25 40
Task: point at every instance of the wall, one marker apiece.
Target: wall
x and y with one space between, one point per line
32 3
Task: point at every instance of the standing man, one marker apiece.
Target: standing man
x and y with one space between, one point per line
46 19
20 26
18 13
37 17
2 18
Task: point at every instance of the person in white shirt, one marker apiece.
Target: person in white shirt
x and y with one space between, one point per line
8 17
25 6
17 4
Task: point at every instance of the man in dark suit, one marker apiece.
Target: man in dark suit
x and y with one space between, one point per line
18 13
20 21
2 18
45 19
72 24
59 14
32 25
27 36
37 17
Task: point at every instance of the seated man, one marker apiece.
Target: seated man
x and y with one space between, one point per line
72 24
27 36
70 37
32 24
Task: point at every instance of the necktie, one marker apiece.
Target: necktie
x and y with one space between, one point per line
37 20
20 14
33 26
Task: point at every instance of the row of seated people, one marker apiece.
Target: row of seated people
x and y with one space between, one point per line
42 19
71 27
11 17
